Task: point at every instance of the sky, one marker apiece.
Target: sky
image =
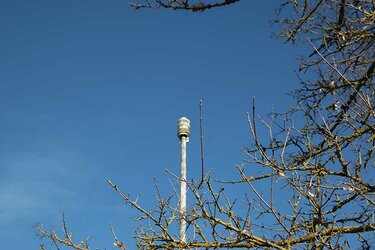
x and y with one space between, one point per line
92 90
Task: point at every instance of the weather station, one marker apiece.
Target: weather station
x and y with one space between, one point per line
183 133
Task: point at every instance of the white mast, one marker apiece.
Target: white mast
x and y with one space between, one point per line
183 132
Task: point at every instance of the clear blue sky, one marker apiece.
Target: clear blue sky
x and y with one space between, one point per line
91 90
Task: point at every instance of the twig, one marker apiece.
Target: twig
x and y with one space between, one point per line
117 243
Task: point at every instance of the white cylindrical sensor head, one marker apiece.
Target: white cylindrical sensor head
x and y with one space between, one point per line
183 127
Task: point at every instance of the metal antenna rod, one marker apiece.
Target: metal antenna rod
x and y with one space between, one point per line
201 139
183 132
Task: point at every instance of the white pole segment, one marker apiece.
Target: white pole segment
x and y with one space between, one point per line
183 190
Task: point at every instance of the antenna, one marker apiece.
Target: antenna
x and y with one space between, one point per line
183 133
201 139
